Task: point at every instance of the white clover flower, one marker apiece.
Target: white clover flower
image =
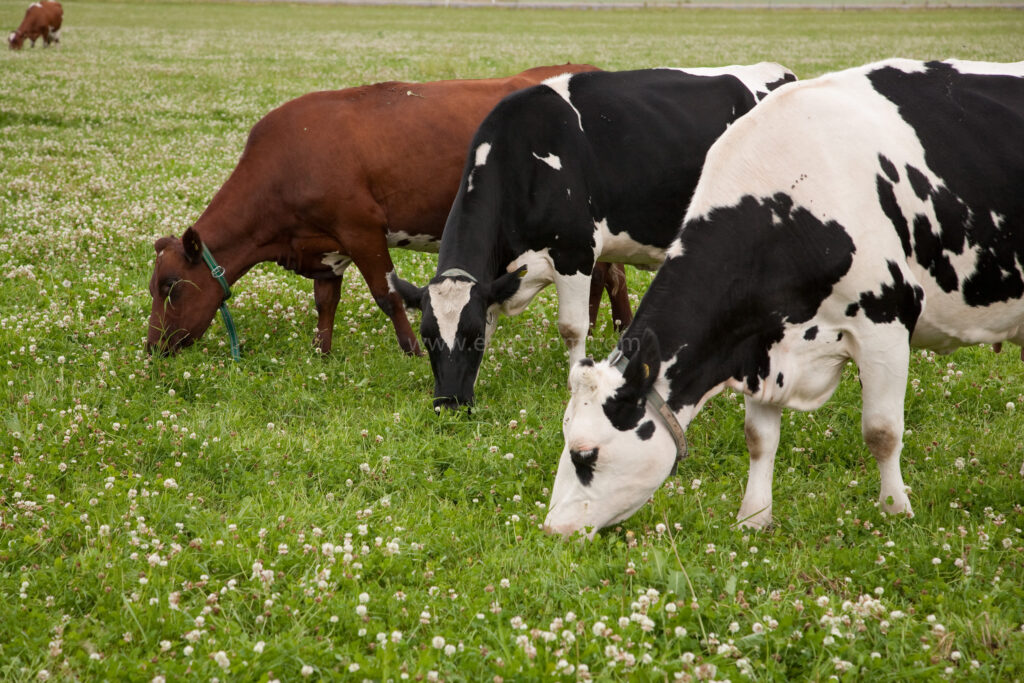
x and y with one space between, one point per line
437 642
258 647
306 671
222 660
598 628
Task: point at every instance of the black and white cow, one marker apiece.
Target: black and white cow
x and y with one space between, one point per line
582 168
847 217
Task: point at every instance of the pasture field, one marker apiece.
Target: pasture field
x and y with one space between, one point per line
294 517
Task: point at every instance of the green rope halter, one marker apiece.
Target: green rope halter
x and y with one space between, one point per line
218 274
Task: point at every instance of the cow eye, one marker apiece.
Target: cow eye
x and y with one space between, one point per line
167 287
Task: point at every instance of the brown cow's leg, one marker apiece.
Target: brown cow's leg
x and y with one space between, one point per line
374 262
326 295
618 296
596 288
610 277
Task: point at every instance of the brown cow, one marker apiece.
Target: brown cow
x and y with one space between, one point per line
41 19
329 179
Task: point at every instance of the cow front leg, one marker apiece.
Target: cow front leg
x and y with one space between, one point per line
762 428
374 262
883 378
573 292
326 296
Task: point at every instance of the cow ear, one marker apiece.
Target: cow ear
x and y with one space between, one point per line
411 295
505 286
193 245
162 243
642 370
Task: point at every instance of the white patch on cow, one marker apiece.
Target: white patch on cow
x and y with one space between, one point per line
479 159
987 68
482 151
551 160
447 300
755 77
36 4
560 84
336 261
390 278
622 248
417 242
675 250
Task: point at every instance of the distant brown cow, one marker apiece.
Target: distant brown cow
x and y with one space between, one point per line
329 179
41 19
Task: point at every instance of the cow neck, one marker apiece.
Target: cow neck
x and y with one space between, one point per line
700 351
234 253
481 253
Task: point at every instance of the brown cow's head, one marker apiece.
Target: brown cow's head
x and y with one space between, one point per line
15 40
185 294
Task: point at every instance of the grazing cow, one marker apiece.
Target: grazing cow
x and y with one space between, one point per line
583 168
326 180
41 19
848 217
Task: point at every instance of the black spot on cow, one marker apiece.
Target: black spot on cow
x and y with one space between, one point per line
930 254
891 209
839 337
919 182
587 362
778 379
852 310
897 301
584 462
888 168
964 122
403 243
645 431
811 333
738 302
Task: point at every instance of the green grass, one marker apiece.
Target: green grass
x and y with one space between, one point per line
140 497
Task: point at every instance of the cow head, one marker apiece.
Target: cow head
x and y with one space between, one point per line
456 327
15 40
617 449
185 294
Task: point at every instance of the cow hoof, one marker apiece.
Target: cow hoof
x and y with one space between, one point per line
757 521
896 505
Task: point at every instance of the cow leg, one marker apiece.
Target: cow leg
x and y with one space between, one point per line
573 291
762 428
597 284
883 377
374 262
326 296
611 278
618 296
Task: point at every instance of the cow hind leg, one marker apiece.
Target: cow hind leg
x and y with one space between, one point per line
573 292
618 296
326 296
884 383
597 282
761 428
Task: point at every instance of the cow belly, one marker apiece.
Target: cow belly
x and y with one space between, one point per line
620 247
947 323
418 242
